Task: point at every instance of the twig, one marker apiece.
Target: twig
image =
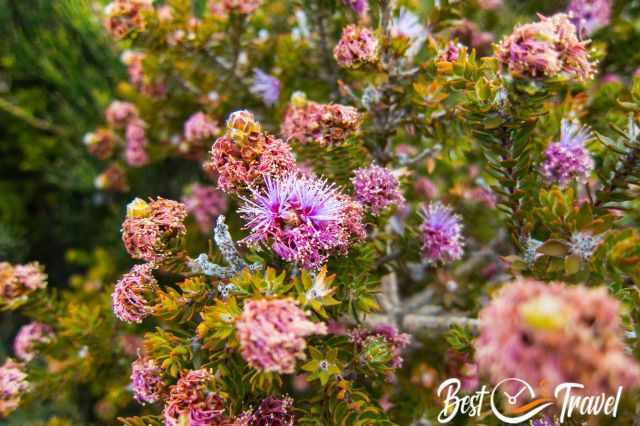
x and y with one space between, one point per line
28 118
415 323
429 152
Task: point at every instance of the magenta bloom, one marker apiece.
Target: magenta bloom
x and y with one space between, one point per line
200 127
135 155
146 381
271 412
358 6
300 217
441 234
28 336
132 293
266 87
590 15
551 333
451 53
396 341
13 385
546 49
205 203
193 402
357 46
568 159
377 188
119 113
272 334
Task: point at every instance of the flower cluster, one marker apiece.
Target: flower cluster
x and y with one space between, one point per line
13 385
302 218
146 381
246 154
132 292
377 188
134 61
568 159
546 49
325 124
101 143
29 336
272 334
135 134
441 234
192 402
395 342
125 16
119 113
205 203
222 8
555 333
150 228
200 127
357 46
271 412
113 178
266 87
590 15
18 281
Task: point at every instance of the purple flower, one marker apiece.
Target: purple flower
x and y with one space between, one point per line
568 159
377 188
29 335
359 6
271 412
441 234
266 87
303 219
13 385
146 381
590 15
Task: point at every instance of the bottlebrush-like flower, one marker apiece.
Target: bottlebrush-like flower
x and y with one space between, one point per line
200 127
325 124
266 87
17 282
546 49
271 412
407 25
119 113
13 385
551 333
272 334
193 402
441 231
131 295
584 244
205 203
150 227
146 380
222 8
590 15
377 188
568 159
28 336
125 16
101 143
113 178
246 154
302 218
396 342
358 6
135 155
357 46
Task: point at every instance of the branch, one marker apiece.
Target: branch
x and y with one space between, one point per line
28 118
416 323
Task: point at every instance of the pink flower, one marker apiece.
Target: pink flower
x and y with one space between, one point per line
119 113
205 203
590 15
551 333
222 8
125 16
377 188
193 402
360 7
144 84
451 53
135 155
396 341
17 282
302 219
29 336
150 227
113 178
132 293
245 155
272 334
546 49
101 143
441 234
325 124
568 159
146 381
13 385
200 127
271 412
357 46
